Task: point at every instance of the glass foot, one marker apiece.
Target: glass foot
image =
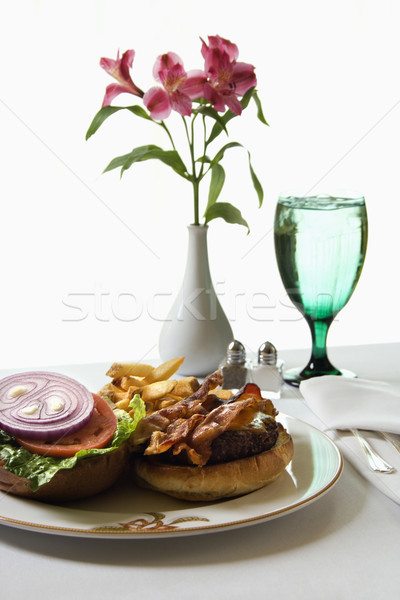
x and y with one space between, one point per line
296 376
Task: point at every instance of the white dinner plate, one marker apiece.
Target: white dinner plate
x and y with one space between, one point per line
126 511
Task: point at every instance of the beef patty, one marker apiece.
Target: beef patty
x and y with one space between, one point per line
235 443
240 443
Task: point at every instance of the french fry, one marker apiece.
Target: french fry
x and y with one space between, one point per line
166 402
186 387
118 370
153 384
158 389
111 391
222 394
117 383
150 408
174 398
122 396
127 382
164 371
123 404
134 390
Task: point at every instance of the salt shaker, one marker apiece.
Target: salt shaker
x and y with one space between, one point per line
234 369
267 372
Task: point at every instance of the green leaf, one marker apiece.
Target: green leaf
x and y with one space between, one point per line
220 154
225 211
107 111
139 409
148 152
170 158
218 128
100 117
216 184
126 425
260 113
136 154
256 183
247 97
208 111
204 159
139 111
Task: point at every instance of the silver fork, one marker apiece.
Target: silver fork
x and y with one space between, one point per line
388 437
376 462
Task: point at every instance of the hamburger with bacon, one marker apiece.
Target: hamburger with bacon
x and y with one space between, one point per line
204 448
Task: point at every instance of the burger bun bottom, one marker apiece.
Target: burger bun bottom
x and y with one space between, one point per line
88 477
213 482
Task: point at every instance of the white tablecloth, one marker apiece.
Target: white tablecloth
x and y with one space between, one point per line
343 546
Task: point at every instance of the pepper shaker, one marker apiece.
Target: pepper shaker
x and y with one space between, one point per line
267 372
234 369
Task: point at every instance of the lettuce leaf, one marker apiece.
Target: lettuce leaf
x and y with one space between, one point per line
40 469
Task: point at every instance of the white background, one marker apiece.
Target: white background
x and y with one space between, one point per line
90 263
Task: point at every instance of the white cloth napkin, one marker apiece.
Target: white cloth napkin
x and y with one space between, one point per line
342 404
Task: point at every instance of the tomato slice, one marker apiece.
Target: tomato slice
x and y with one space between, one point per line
97 433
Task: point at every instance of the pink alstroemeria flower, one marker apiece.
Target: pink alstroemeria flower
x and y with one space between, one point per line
179 88
215 41
119 69
227 79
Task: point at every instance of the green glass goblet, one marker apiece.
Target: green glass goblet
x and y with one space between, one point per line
320 246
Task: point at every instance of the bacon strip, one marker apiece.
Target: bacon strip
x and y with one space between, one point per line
191 405
249 388
193 424
197 439
176 432
184 409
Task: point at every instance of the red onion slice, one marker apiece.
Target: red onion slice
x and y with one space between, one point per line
42 405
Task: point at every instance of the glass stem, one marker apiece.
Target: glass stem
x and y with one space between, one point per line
319 363
319 333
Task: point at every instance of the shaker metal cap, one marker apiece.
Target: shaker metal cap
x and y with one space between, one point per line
236 353
267 354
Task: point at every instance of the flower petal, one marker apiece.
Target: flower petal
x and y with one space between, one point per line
243 77
113 90
158 103
181 103
219 67
215 41
217 48
216 99
233 104
125 64
173 78
110 65
119 69
165 62
194 84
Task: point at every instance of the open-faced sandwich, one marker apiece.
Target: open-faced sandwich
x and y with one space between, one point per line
58 441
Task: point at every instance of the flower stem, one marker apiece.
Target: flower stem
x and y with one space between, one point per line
193 178
196 201
204 147
168 133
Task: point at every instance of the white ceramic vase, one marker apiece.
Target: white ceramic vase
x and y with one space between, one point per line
196 327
